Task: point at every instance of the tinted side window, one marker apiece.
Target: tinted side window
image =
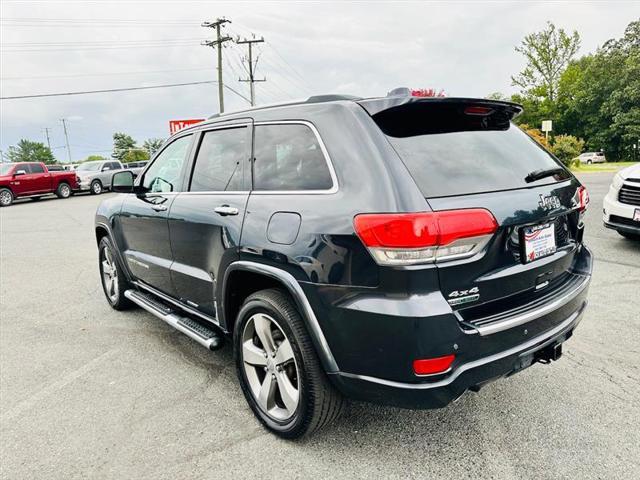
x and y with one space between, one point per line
288 157
23 166
36 168
164 174
115 166
219 161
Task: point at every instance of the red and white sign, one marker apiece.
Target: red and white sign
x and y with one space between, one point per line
177 125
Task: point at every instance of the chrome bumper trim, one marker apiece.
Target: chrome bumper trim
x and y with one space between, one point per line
533 314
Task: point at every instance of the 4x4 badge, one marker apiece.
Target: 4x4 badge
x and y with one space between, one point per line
462 293
458 297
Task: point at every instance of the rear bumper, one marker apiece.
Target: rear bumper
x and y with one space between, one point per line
377 366
466 376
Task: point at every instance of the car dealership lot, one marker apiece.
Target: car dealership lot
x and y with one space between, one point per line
89 392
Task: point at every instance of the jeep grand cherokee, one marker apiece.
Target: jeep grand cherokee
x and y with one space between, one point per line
397 250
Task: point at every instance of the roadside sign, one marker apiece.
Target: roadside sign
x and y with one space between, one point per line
177 125
547 126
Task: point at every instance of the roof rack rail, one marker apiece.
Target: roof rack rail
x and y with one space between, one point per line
331 97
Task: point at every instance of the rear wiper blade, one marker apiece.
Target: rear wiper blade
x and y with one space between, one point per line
547 172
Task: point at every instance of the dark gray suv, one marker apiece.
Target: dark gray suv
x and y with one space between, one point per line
397 250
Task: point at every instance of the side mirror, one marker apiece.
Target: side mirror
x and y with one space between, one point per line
19 172
104 169
122 182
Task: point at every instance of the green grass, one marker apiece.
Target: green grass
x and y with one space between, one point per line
602 167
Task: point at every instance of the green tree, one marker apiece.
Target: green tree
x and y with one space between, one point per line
94 158
28 151
136 155
536 134
599 96
497 96
152 145
547 53
122 143
567 147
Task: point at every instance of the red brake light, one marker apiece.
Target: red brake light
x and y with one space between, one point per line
455 224
425 229
430 366
583 198
478 110
414 238
402 230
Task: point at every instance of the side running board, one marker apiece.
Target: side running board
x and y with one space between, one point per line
206 336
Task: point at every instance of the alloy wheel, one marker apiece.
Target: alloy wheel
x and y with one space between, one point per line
65 191
5 197
96 187
270 367
109 275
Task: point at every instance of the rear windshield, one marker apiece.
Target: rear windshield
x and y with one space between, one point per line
464 154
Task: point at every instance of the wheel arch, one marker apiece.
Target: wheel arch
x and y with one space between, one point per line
103 230
248 277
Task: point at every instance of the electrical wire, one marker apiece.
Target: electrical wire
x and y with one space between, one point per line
105 74
109 90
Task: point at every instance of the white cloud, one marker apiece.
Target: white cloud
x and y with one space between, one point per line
465 48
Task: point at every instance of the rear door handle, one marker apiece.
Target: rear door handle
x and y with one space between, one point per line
225 210
159 207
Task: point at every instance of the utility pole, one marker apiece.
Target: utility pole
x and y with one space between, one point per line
46 132
66 136
217 43
252 67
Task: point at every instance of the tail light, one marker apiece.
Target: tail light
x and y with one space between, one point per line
424 237
583 198
432 366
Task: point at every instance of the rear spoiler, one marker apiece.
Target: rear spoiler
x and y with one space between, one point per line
405 116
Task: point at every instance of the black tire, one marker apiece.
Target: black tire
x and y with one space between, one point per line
589 162
630 236
6 197
96 187
319 403
117 301
63 190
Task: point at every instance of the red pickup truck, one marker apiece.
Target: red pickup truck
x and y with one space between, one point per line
33 180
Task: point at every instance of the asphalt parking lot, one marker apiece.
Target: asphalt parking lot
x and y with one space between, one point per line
88 392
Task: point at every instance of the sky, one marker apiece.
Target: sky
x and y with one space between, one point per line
359 48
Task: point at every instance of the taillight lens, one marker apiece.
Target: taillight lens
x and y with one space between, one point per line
413 238
432 366
583 198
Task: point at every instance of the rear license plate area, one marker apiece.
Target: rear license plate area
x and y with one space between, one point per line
537 241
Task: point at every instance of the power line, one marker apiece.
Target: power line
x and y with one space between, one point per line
105 47
103 74
102 42
217 43
109 90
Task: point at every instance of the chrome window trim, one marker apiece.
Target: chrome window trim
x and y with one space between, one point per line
325 153
202 131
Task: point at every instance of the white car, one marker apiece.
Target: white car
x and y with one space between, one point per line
592 157
621 206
